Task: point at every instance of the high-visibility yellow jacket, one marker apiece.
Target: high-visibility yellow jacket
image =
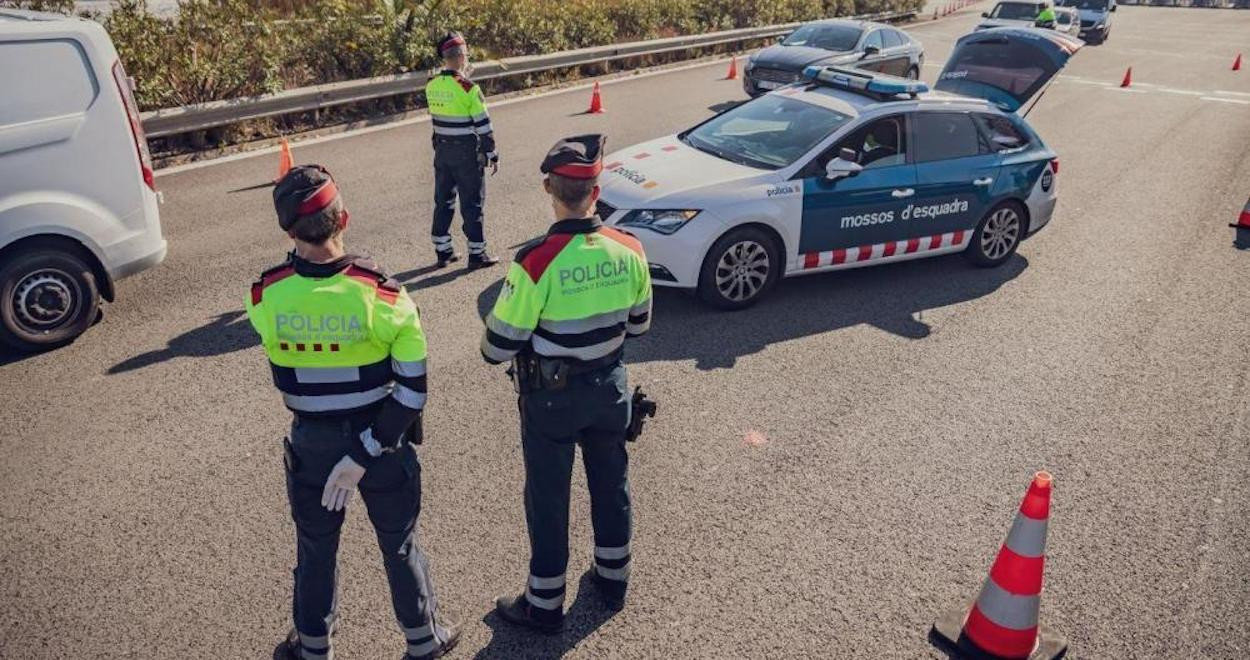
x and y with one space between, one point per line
575 293
458 110
342 338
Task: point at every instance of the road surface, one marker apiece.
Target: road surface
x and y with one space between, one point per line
894 414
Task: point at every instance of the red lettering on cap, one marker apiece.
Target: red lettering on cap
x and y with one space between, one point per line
448 45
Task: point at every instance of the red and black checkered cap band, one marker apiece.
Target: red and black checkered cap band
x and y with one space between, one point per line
449 42
579 170
324 197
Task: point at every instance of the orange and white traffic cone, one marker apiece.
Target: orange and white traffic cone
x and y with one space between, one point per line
285 161
1003 621
733 69
1237 63
1128 78
596 102
1242 238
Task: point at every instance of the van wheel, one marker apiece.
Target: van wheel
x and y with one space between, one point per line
997 236
47 298
739 269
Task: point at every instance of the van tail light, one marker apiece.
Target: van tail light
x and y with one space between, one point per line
1054 165
136 125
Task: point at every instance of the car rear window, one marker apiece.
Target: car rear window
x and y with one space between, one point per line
1015 11
945 135
828 37
1003 134
43 79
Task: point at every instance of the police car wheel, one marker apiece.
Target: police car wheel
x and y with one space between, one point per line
47 298
997 236
739 269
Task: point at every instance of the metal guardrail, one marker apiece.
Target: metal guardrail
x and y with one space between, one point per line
201 116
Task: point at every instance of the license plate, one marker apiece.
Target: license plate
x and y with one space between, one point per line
768 84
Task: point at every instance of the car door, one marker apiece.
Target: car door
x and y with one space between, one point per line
842 217
896 60
874 61
956 167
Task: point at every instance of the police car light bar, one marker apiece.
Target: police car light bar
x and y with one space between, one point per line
859 80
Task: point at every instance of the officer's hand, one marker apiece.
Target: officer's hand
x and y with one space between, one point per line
342 484
494 166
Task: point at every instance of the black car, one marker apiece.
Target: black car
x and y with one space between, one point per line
862 44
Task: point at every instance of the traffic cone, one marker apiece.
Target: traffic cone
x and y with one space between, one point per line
1128 78
1002 622
935 13
1242 238
596 103
1237 63
285 161
733 69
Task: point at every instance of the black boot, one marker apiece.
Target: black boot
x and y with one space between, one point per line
481 260
518 610
453 636
288 649
611 592
446 257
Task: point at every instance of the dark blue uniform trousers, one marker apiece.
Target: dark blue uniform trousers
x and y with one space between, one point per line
458 174
593 412
391 489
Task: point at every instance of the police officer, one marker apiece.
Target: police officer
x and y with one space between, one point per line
568 302
464 143
1045 17
347 352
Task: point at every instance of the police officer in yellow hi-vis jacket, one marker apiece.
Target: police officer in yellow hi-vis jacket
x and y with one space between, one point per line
347 353
464 143
567 304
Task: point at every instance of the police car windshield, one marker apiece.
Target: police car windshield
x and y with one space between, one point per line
1018 11
768 133
828 37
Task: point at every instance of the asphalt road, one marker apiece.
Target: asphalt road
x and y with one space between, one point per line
894 414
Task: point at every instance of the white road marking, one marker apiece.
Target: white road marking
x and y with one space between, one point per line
1127 89
1221 91
1216 98
1186 92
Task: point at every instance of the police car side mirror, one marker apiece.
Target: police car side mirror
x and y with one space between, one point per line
842 168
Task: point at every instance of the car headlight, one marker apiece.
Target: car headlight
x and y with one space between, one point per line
664 221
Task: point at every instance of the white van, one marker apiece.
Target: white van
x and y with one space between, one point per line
78 202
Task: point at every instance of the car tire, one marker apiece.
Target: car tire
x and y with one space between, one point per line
913 73
997 236
48 297
740 268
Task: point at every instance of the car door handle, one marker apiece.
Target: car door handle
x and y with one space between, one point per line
983 181
900 193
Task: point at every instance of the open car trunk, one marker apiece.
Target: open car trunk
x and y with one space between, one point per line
1006 66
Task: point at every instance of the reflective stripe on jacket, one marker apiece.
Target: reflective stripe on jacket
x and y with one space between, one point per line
575 293
457 109
342 337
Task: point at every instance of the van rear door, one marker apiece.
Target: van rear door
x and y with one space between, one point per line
1006 66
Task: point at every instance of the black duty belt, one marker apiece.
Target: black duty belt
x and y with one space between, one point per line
463 140
586 366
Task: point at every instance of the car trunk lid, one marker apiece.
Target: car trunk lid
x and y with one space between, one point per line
1006 66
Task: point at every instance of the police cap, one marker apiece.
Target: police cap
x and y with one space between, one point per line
452 43
578 157
304 190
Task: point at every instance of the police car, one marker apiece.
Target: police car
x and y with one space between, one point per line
848 168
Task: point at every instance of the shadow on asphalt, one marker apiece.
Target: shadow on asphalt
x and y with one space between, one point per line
225 333
583 617
892 298
725 106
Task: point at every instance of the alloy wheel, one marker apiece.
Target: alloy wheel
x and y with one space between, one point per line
742 271
1000 233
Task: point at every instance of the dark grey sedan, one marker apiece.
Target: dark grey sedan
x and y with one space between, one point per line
862 44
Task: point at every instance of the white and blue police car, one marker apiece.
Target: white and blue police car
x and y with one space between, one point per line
847 169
